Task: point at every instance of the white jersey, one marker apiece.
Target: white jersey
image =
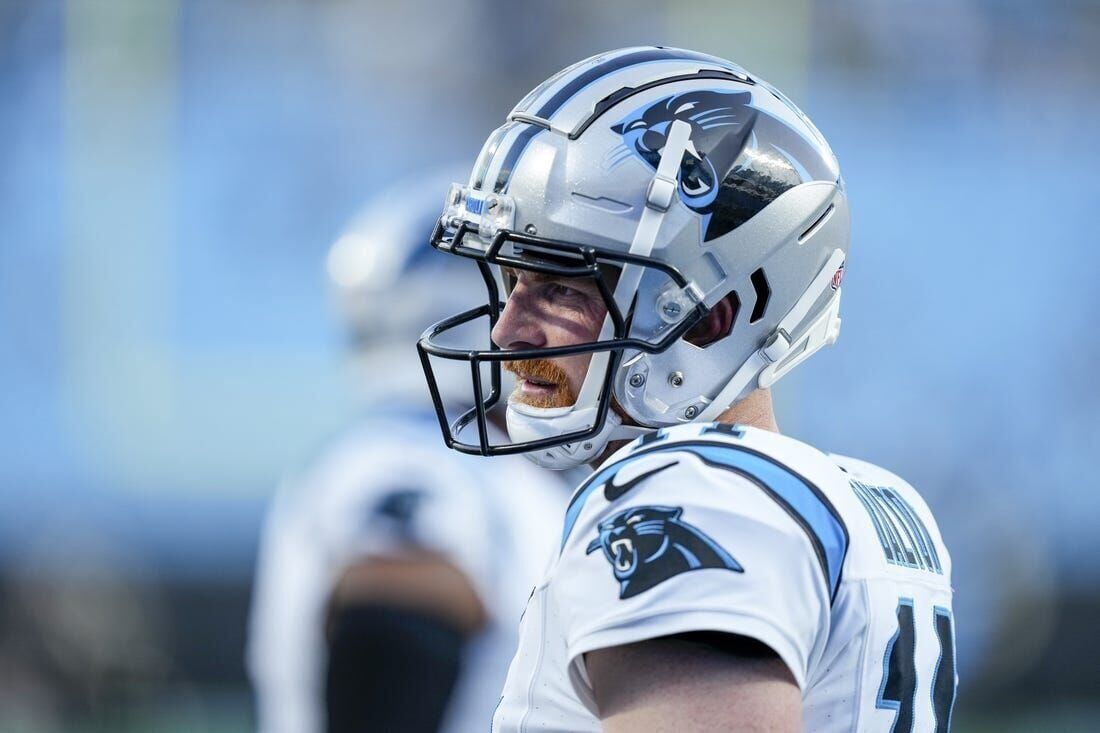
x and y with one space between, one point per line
835 564
387 486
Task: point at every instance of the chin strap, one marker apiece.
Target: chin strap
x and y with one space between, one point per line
526 423
780 353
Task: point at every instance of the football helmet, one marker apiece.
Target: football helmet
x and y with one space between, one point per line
384 284
674 180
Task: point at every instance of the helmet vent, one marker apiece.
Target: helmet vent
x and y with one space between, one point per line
763 294
820 222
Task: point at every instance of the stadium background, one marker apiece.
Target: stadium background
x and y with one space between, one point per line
172 173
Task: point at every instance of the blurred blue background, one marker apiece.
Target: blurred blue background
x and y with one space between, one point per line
172 173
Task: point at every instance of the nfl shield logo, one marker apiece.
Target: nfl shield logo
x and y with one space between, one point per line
838 276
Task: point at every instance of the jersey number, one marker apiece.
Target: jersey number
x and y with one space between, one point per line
899 675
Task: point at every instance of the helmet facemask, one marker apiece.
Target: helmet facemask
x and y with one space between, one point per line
564 436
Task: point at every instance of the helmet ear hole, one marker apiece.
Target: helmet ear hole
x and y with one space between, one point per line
717 323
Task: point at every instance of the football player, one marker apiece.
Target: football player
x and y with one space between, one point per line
392 572
663 236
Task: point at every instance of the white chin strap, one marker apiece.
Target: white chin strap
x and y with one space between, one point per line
532 423
536 423
780 354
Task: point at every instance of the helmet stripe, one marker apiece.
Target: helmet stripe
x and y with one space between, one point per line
595 73
583 79
481 168
509 158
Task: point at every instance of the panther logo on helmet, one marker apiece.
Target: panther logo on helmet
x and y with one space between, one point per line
722 176
647 545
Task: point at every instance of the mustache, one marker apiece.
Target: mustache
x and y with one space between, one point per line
543 370
540 369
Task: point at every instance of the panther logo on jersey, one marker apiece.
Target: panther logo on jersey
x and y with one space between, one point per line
398 509
647 545
722 176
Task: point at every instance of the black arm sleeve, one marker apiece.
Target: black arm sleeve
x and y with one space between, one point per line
389 670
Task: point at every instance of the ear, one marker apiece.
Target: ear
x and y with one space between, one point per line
717 323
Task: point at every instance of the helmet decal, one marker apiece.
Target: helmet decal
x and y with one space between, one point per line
724 176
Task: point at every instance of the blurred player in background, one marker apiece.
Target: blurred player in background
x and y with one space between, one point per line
670 234
392 572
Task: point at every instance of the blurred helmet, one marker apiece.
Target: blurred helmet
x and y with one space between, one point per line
675 180
386 283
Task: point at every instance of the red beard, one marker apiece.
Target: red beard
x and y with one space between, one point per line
542 372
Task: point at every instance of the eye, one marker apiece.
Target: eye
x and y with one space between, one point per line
558 290
635 125
635 519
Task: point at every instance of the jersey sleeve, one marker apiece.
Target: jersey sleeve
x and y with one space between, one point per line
689 539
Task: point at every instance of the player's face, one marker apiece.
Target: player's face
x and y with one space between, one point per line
543 311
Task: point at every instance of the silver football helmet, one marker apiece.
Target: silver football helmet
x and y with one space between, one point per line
675 180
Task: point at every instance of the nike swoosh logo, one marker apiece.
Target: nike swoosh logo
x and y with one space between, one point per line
613 491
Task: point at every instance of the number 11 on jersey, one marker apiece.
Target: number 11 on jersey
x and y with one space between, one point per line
899 674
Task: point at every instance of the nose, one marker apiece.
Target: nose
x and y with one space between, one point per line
518 326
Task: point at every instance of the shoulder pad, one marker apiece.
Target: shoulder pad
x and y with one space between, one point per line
783 470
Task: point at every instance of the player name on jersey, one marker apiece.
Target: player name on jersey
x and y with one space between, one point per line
904 538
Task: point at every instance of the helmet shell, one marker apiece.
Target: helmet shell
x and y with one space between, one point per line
760 206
